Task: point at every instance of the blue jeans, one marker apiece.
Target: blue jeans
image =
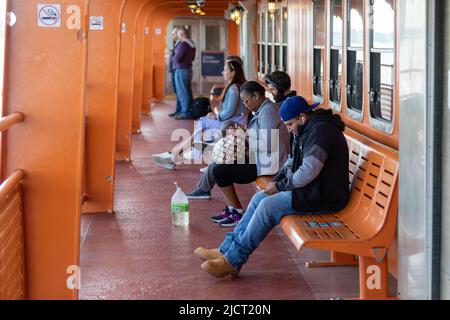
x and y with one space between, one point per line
174 86
263 214
183 85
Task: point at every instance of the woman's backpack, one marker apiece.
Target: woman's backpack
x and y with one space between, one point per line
200 108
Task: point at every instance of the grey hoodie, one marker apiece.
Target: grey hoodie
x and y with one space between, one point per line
269 139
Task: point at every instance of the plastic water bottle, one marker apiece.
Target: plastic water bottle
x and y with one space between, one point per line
180 208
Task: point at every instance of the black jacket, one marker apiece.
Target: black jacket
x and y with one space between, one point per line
322 144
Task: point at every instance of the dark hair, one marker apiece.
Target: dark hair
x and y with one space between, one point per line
235 58
252 87
238 79
279 79
228 124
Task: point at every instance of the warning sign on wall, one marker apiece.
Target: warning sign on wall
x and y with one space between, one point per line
49 15
97 23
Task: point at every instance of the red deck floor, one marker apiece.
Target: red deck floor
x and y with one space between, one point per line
137 254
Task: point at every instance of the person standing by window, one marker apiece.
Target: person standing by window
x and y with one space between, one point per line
169 55
183 59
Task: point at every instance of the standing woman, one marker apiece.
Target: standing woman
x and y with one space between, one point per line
232 108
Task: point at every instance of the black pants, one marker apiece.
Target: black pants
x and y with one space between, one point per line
228 174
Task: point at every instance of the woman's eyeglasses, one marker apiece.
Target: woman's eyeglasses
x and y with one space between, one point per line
247 100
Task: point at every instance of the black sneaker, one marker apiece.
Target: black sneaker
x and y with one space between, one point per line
221 217
232 220
199 194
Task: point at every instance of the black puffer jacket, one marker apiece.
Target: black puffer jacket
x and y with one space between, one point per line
322 144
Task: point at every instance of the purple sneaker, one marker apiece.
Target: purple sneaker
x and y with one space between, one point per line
221 217
232 220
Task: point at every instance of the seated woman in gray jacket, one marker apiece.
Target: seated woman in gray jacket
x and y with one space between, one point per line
269 149
207 127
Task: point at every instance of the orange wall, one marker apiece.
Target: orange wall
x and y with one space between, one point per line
234 47
126 79
102 99
46 80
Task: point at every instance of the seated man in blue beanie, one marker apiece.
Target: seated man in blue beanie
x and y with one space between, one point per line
314 180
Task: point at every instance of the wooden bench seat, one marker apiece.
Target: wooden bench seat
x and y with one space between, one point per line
366 227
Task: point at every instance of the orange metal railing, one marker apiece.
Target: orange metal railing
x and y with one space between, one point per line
8 121
12 263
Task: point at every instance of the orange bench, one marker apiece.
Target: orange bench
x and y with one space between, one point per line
366 227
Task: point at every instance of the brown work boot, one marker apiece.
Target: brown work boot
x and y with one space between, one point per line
207 254
220 268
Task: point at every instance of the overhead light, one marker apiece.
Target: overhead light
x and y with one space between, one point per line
272 7
201 3
192 4
236 14
198 10
203 13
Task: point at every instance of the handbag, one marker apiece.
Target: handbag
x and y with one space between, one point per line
232 149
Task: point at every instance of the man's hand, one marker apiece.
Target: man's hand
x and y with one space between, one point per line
272 189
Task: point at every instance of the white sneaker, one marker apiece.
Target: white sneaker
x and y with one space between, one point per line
166 165
166 156
203 170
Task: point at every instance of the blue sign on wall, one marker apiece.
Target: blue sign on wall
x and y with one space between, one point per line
212 64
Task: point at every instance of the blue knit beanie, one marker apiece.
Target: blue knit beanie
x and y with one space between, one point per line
292 107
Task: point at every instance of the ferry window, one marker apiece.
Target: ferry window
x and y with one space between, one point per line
262 41
355 58
382 56
269 59
285 38
212 36
2 49
258 23
263 59
336 54
270 34
277 57
276 43
319 49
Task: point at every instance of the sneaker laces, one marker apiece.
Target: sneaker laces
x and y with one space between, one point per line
226 213
236 216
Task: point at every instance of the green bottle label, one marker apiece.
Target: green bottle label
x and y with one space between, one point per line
177 208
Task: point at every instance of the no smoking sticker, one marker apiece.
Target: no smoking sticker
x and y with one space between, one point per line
97 23
49 15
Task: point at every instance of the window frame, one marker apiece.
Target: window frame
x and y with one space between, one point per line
268 26
381 124
355 114
337 106
323 48
284 36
